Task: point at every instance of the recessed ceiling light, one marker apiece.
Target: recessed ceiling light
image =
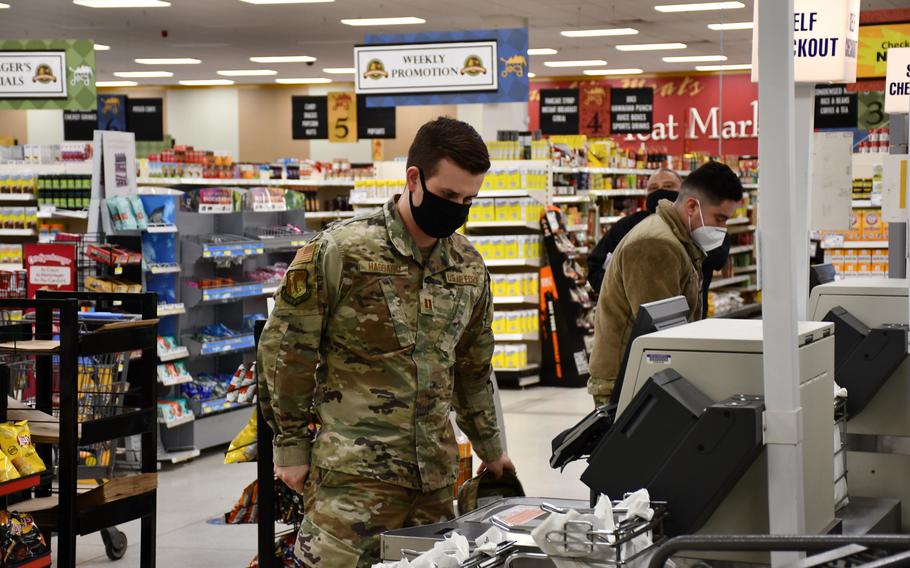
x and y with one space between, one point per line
122 3
408 20
286 1
731 26
699 7
600 33
283 59
246 72
650 46
3 6
206 82
142 74
542 51
102 47
531 75
579 63
736 67
116 83
168 61
613 71
339 70
304 81
694 58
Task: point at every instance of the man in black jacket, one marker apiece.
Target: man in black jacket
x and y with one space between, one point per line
664 184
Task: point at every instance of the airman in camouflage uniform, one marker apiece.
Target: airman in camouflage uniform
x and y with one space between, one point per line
376 344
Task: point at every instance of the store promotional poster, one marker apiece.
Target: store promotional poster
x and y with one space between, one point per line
47 74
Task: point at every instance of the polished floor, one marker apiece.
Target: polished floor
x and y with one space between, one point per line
192 494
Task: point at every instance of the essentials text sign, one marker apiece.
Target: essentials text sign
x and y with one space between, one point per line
33 74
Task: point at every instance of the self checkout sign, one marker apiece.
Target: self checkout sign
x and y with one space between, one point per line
897 82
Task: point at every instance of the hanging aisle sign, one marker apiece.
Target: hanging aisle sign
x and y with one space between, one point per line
825 40
310 116
426 68
33 74
342 117
631 111
897 83
559 111
835 107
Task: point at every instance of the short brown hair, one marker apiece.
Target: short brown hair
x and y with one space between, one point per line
448 138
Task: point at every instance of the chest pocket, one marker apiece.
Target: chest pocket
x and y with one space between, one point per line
402 322
451 314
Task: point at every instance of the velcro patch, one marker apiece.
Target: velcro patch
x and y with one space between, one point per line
307 253
462 279
296 289
375 267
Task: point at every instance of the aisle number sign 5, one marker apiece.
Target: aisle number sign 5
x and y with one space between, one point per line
342 117
825 41
897 82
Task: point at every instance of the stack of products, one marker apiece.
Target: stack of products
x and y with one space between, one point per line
862 188
206 388
265 199
173 409
517 322
720 303
216 332
11 254
20 539
515 285
173 373
374 189
243 387
510 357
858 262
516 150
112 255
19 218
186 162
269 274
211 200
878 142
524 178
46 153
866 225
18 457
747 166
168 346
243 447
127 213
523 210
62 191
19 184
106 284
509 247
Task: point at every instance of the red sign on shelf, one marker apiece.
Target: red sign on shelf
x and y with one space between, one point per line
50 267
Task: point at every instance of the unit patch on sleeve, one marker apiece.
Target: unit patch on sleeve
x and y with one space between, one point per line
376 267
462 279
296 289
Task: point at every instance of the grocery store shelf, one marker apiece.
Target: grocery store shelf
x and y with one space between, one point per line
370 202
177 421
618 193
570 199
215 182
178 381
856 245
172 355
739 229
491 263
527 369
494 193
17 232
738 221
518 337
606 171
514 300
171 310
164 268
329 214
4 197
178 457
867 203
577 228
750 186
62 214
161 229
741 249
504 225
8 266
727 282
233 344
745 269
741 312
269 290
610 219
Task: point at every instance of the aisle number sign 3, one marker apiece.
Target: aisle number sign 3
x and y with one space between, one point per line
342 117
825 41
897 82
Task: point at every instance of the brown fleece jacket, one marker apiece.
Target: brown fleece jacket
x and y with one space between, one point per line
656 261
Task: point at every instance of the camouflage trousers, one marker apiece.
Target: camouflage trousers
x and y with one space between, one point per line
344 516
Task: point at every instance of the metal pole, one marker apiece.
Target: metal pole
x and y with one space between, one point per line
803 127
779 246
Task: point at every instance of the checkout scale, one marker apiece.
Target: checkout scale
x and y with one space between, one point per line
688 427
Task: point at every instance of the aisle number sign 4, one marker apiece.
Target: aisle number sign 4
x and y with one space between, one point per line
825 41
897 82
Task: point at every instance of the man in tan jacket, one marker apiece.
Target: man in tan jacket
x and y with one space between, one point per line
661 258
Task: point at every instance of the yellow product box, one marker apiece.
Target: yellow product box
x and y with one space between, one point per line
856 225
514 285
850 258
98 284
516 209
488 211
499 324
522 356
534 283
513 247
863 261
837 259
499 180
872 225
514 181
498 357
880 262
513 323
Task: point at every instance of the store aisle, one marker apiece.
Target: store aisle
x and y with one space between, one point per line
192 494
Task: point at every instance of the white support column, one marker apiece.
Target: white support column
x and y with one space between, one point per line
802 127
778 206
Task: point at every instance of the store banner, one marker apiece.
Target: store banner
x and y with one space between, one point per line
342 117
871 111
631 111
897 81
310 118
825 40
493 70
374 122
112 112
835 108
47 74
145 118
50 267
874 43
79 125
559 111
594 109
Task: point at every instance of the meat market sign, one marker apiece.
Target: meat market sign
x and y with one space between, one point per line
427 68
33 74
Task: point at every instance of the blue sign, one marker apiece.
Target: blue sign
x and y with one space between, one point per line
512 45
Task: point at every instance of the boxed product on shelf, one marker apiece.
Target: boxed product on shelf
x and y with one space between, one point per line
211 200
11 254
112 255
514 247
63 191
265 199
482 211
515 285
516 322
880 262
376 189
19 217
269 274
508 357
18 184
173 373
105 284
173 409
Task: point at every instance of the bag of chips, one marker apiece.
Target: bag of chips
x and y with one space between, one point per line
243 447
20 539
16 443
7 469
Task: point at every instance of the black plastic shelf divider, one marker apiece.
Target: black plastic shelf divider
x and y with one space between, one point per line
118 340
120 426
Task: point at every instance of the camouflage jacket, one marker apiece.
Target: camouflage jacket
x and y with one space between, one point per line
377 346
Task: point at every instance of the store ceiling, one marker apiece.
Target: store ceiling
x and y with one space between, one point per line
224 34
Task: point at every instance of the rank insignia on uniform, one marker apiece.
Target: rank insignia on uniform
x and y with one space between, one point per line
461 279
296 289
306 254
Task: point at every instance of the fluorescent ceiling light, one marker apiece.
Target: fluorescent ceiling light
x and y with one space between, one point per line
142 74
737 67
286 1
3 6
542 51
613 71
731 26
650 46
694 58
116 83
600 33
246 72
206 82
102 47
699 7
579 63
339 70
283 59
168 61
531 75
408 20
122 3
304 81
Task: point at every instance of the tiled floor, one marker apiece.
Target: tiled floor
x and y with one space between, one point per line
191 494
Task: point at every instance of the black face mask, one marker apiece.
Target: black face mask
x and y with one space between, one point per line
655 196
437 217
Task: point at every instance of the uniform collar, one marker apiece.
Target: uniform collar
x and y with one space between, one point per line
666 210
442 257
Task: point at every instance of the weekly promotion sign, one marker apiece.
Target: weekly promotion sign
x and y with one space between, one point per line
47 74
342 117
874 43
50 267
897 82
825 41
422 68
33 74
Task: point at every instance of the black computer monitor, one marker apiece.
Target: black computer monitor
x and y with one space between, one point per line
821 274
651 317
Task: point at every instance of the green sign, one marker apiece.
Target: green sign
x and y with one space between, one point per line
80 74
872 110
